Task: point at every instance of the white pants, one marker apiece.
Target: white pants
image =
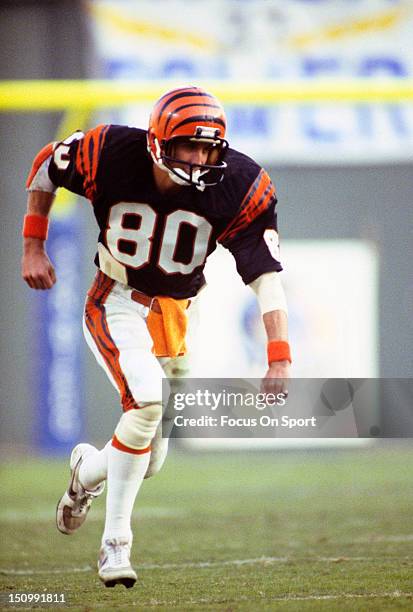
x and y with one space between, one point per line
116 332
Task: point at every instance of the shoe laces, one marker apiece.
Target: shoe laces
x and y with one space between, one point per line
85 501
118 552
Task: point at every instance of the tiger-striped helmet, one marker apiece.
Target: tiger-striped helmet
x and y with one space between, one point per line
182 114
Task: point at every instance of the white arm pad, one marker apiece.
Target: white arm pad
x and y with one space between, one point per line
269 292
41 181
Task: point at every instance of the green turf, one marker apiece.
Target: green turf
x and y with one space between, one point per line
240 532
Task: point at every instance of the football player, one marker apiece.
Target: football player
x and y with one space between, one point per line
163 199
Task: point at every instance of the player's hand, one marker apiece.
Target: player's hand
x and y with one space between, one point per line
37 269
276 378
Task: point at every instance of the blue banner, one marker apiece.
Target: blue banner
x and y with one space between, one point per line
57 368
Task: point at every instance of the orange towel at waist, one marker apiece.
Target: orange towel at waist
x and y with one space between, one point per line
168 328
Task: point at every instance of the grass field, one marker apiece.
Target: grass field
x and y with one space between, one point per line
320 530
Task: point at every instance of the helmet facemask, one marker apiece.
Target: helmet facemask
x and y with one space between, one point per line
200 175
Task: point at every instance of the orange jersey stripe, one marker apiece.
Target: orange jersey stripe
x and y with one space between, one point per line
258 199
37 162
126 449
87 158
95 317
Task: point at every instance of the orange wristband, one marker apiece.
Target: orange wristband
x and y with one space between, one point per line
278 350
35 226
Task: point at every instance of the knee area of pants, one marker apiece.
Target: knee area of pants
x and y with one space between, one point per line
137 427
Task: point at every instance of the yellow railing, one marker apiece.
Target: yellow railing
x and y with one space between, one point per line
36 95
79 99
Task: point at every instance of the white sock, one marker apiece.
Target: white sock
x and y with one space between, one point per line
94 468
125 476
159 451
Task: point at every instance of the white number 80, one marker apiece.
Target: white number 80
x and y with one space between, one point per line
141 238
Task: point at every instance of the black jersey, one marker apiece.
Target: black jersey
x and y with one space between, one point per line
159 243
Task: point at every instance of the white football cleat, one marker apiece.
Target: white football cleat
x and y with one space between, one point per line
73 507
114 563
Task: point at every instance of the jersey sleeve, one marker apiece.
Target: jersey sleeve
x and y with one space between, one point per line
252 235
75 161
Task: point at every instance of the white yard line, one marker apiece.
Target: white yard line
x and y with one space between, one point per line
203 564
393 595
28 572
408 537
46 514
